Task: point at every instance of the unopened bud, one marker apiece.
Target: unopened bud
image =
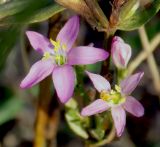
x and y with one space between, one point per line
120 52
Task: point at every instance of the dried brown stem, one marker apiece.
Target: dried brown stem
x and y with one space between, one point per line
98 13
52 127
42 113
80 7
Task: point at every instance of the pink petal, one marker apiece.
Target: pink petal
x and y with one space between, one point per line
121 52
97 106
133 106
69 32
119 118
64 80
99 82
86 55
39 42
39 71
130 83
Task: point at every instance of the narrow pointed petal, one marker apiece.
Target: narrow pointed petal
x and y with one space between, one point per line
86 55
39 71
39 42
133 106
99 82
97 106
119 118
64 80
120 52
69 32
130 83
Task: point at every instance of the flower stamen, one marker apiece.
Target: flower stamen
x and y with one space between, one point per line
59 54
113 97
46 56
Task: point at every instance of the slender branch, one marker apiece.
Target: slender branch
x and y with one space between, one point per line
151 61
155 41
143 55
53 123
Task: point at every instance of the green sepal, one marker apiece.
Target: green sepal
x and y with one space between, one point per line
76 122
141 16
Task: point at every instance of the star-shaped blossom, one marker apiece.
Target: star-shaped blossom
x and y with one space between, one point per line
58 58
118 100
120 52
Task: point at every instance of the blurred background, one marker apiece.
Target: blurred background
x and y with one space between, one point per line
18 107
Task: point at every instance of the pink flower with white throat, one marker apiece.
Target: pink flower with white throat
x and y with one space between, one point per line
118 100
58 58
120 52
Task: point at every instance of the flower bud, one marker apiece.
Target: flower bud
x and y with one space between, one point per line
120 52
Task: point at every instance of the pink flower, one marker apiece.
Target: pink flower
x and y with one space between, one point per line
58 58
120 52
118 100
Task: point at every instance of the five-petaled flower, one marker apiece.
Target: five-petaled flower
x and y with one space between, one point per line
58 58
117 100
120 52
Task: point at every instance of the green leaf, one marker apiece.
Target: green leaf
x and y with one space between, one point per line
9 109
76 122
139 17
45 13
8 38
34 11
11 7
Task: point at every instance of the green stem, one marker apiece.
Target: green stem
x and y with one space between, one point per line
80 90
121 74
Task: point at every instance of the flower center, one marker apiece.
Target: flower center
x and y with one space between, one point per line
113 97
59 53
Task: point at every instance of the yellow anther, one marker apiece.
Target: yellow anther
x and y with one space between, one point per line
56 44
53 42
112 92
117 88
46 56
64 46
57 57
113 96
104 95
